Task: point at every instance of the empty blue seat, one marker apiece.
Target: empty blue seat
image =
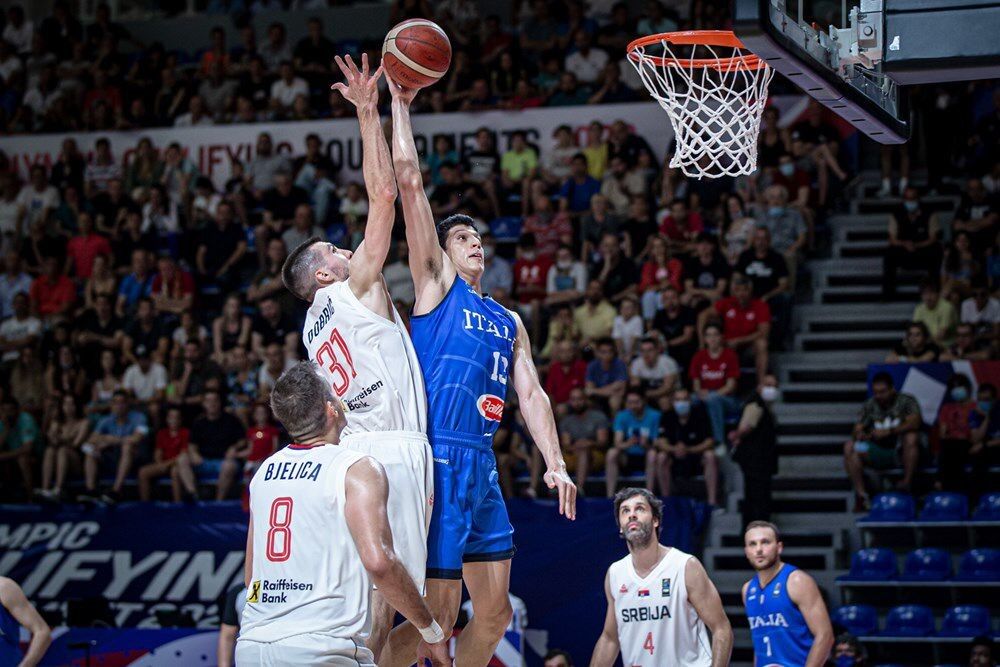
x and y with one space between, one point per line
858 619
980 565
892 507
988 508
945 506
873 565
968 620
927 565
910 620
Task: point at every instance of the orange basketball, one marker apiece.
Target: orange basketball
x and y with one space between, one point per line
416 53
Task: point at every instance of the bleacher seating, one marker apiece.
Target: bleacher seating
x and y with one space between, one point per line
858 619
872 565
945 506
927 564
988 508
966 621
980 565
909 620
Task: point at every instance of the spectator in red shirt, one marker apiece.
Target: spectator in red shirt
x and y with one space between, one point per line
955 432
52 293
795 180
681 226
262 435
550 228
531 273
566 373
84 247
102 91
173 288
660 271
714 372
746 322
171 457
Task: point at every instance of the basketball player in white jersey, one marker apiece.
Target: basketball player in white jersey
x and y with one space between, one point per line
354 334
661 603
319 537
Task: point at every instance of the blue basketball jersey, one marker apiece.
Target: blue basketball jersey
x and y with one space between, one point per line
10 639
465 347
780 635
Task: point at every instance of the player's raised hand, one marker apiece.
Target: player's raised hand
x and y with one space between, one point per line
437 654
398 92
359 88
559 480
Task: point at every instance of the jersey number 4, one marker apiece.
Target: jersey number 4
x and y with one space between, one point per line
279 532
331 356
648 644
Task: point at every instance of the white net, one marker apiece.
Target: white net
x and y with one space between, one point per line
714 101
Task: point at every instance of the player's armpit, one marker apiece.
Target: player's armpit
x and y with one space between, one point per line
704 597
607 648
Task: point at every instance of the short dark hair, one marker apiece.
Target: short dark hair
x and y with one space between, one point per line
452 221
764 524
882 377
711 325
988 386
298 269
299 400
655 504
558 653
982 640
605 341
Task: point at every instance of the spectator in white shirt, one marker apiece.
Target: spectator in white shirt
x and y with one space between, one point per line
145 379
102 170
9 62
44 93
287 88
982 311
276 50
37 199
586 62
196 115
567 278
13 281
556 162
627 327
19 30
20 330
653 372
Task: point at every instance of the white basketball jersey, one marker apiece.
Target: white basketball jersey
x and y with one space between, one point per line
307 576
657 625
369 361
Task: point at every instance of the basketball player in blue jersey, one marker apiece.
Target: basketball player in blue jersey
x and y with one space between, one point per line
16 611
468 346
788 620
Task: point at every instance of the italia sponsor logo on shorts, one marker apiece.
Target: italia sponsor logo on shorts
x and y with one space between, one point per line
490 407
263 591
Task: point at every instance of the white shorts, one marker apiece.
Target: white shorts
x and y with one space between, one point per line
304 649
409 467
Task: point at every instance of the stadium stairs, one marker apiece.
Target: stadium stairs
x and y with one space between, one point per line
840 326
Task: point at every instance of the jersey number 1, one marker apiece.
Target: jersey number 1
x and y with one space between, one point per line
327 357
279 533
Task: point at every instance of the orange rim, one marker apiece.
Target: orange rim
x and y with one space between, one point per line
724 38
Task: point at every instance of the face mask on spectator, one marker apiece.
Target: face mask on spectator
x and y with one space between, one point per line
564 264
959 393
910 205
528 255
769 393
775 210
985 406
845 661
682 407
787 169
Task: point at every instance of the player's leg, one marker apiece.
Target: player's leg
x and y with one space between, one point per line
49 458
650 469
664 472
611 466
125 459
710 466
444 596
147 474
488 584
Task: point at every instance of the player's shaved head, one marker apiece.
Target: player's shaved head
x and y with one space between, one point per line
299 400
299 270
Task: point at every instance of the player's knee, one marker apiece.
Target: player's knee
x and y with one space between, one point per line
494 622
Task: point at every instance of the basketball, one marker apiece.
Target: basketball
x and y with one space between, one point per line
416 53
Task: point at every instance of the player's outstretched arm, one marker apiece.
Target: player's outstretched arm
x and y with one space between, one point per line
537 411
704 597
804 592
433 273
607 647
12 599
367 491
361 89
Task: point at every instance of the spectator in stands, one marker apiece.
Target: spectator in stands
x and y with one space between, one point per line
531 270
713 373
217 92
84 247
276 362
549 228
577 190
67 431
955 432
18 435
273 326
52 294
146 381
217 436
966 346
913 242
586 63
788 228
635 428
193 375
567 279
653 372
557 658
607 377
676 323
173 457
981 652
938 314
916 347
136 285
585 436
978 214
18 332
276 49
768 274
746 323
754 443
985 451
595 317
221 248
266 165
145 329
680 226
37 199
287 88
660 271
849 652
616 272
13 281
116 439
685 444
886 435
498 275
982 311
706 275
314 53
173 288
567 372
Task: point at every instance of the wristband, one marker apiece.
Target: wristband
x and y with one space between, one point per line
433 633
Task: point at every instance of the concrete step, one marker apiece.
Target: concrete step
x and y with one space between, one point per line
864 294
812 466
817 411
848 340
858 220
807 312
888 205
826 539
733 558
820 444
829 375
807 392
829 358
859 249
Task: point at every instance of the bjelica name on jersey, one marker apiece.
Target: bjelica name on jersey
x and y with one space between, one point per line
286 470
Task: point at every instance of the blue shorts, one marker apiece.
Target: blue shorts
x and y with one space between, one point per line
469 521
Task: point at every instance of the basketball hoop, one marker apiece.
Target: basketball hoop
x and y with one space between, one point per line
714 91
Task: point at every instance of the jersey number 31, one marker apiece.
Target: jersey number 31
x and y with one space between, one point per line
331 356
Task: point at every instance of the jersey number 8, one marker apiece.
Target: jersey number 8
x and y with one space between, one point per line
279 533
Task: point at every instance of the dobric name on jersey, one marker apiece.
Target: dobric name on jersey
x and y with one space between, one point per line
286 470
272 592
321 321
355 403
